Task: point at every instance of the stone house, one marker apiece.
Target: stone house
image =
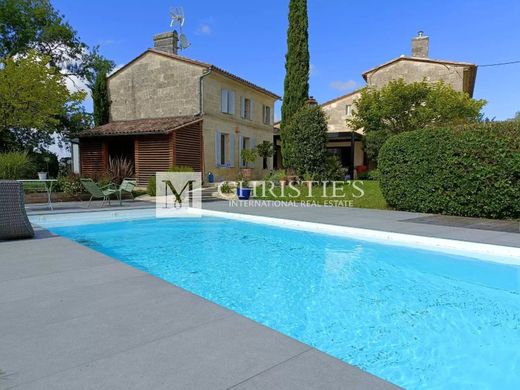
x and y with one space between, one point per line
171 110
417 67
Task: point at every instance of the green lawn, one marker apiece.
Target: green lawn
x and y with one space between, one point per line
346 196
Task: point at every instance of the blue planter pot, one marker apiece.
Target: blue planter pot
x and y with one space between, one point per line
243 193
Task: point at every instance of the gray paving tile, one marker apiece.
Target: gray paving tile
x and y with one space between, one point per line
26 258
212 356
314 370
38 311
24 288
70 343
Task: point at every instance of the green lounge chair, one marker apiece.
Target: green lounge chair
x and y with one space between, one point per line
127 185
98 192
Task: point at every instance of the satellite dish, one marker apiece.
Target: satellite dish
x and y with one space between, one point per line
183 41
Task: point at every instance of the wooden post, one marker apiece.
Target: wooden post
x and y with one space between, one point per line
352 153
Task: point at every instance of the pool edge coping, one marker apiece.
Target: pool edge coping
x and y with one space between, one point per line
499 253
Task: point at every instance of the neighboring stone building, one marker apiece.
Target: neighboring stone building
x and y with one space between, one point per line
170 110
417 67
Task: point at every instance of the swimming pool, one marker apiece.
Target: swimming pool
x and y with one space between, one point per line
418 318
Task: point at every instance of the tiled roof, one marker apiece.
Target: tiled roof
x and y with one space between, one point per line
141 126
341 97
204 65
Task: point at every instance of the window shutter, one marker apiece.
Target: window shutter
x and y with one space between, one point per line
252 145
232 150
240 143
231 103
263 113
223 100
252 111
272 116
242 107
217 148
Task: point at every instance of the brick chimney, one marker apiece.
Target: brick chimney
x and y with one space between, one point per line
166 42
420 45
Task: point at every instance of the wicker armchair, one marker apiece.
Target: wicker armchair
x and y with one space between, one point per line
14 223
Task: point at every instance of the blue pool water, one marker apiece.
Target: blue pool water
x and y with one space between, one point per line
420 319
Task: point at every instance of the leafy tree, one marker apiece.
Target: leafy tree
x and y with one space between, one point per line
296 84
307 134
400 107
36 25
33 100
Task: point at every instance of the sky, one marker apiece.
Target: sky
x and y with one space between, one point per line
346 38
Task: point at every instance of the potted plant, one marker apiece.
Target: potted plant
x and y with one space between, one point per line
243 188
248 156
265 150
43 174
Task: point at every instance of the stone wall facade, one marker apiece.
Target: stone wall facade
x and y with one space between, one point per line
412 71
336 111
216 122
154 86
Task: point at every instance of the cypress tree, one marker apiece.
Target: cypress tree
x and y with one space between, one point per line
296 84
100 99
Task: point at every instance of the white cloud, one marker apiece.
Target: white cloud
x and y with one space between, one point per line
343 85
204 29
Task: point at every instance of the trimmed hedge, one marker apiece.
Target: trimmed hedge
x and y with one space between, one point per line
471 171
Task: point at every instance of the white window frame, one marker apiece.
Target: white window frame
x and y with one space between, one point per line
348 110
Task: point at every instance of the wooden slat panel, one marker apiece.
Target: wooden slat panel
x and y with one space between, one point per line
92 157
152 155
188 146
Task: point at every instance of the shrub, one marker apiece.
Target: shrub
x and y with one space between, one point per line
225 188
15 165
471 170
151 188
333 169
120 168
373 174
70 184
275 176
